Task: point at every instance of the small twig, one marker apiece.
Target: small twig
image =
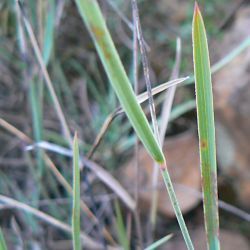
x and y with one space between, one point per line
165 114
136 149
145 68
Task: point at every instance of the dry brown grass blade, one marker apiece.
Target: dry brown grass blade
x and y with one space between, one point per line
102 132
140 98
13 130
45 73
111 182
98 170
145 64
4 124
49 219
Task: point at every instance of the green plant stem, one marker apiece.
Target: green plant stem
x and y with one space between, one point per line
176 207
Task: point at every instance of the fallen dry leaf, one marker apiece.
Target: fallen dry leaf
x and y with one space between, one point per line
183 162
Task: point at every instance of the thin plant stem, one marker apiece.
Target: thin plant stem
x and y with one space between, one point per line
176 206
145 64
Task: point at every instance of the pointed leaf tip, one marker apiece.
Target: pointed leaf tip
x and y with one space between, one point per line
196 8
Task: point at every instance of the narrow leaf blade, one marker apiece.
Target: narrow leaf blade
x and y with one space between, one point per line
94 20
205 115
76 232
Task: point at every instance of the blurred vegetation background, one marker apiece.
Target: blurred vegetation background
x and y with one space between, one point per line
27 115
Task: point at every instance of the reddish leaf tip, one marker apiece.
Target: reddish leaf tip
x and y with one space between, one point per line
196 9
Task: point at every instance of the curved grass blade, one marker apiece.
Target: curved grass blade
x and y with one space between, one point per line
205 115
158 89
76 231
91 14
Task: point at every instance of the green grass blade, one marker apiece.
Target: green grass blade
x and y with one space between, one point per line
159 242
226 59
76 197
229 57
3 245
49 32
176 207
93 18
121 230
205 115
37 121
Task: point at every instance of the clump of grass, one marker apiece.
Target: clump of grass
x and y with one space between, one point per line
205 115
94 20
